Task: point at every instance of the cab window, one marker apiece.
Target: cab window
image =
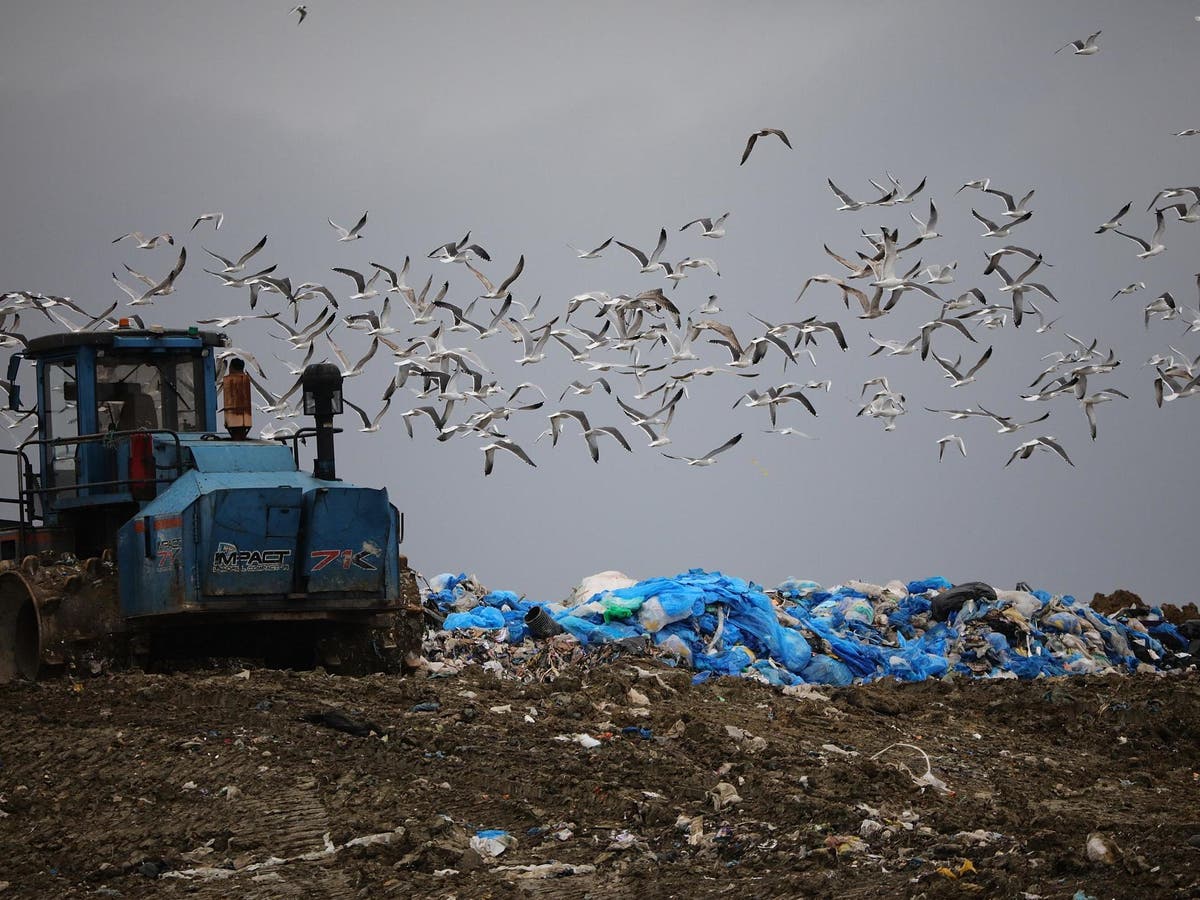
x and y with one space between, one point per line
159 392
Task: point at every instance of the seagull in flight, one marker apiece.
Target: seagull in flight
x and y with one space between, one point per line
1012 210
1154 246
849 204
370 425
231 266
1186 213
980 184
1043 325
489 454
590 434
161 289
1128 289
1115 221
763 132
366 288
1048 443
710 228
498 293
534 348
649 263
1173 192
1086 47
994 230
458 251
789 430
994 257
302 10
1007 424
711 457
590 254
146 243
399 285
349 234
217 218
927 230
940 274
349 371
955 375
929 327
894 348
950 439
1089 402
897 193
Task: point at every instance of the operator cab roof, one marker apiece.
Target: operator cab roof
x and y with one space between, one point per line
125 339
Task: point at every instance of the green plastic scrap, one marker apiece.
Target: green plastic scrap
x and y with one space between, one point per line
620 607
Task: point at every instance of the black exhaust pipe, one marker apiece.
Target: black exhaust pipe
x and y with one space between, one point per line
322 384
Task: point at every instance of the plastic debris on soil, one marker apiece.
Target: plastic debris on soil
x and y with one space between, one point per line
801 633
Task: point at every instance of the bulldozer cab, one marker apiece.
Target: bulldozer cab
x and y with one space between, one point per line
100 398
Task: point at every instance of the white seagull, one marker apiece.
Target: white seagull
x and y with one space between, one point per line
160 289
534 349
498 293
1129 289
370 425
1155 245
649 263
953 373
1086 47
927 230
980 184
349 234
849 204
709 458
217 218
1049 443
1014 210
489 454
590 254
1090 401
950 439
231 266
366 288
1115 221
994 230
710 228
146 243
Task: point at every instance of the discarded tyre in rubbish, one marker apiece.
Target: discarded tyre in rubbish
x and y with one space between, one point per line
540 623
952 601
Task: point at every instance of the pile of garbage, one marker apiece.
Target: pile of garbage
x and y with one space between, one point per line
802 633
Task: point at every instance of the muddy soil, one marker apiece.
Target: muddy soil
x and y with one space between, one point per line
212 784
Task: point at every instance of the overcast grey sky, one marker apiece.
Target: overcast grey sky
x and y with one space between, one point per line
534 124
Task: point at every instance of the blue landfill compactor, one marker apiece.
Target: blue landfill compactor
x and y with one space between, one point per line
139 530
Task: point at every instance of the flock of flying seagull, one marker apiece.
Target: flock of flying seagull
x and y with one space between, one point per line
639 347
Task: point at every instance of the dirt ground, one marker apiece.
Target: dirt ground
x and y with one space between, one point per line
211 784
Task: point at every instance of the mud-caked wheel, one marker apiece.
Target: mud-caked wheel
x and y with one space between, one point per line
20 631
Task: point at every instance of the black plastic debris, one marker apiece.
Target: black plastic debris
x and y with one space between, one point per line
951 601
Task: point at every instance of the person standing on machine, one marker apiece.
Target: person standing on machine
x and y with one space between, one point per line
239 415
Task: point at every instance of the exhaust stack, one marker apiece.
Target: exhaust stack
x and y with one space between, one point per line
322 384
